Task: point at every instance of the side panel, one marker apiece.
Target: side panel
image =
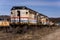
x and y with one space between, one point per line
24 16
24 20
32 17
14 17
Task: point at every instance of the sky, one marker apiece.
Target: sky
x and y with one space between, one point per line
50 8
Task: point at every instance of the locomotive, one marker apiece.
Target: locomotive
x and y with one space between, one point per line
23 17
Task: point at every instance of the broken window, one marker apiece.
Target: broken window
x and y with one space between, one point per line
26 12
11 12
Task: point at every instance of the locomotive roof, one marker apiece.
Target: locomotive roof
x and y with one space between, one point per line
18 7
21 7
24 7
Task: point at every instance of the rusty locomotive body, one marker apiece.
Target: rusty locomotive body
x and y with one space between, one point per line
23 17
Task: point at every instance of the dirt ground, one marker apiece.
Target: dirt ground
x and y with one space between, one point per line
45 33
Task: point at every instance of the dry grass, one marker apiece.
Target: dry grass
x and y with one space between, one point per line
35 34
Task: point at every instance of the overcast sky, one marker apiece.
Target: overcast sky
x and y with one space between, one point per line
51 8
